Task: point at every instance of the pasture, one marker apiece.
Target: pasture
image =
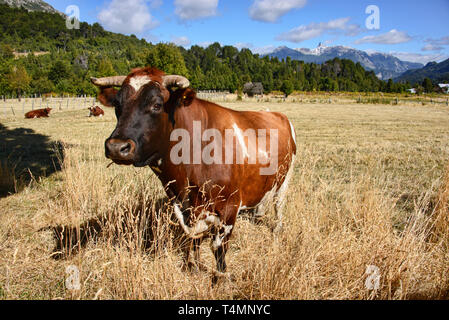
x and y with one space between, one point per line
371 188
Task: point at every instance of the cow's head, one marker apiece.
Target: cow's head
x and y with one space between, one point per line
144 105
47 110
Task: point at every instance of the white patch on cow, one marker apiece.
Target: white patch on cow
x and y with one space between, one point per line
200 227
278 196
241 207
293 131
265 202
219 240
138 82
101 115
282 192
239 135
159 162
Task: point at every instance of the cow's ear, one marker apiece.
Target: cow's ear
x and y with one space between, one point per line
178 98
187 97
107 96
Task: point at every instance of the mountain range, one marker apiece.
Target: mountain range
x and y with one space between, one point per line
438 72
384 65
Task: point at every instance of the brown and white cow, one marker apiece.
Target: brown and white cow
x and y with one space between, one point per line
95 111
161 124
38 113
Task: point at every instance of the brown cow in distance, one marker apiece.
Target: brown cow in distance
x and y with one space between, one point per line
205 155
38 113
96 111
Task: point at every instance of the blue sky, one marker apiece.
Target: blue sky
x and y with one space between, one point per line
411 30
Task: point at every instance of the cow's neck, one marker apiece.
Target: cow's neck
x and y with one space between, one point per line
184 118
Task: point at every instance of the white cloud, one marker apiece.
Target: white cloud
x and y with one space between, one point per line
272 10
353 30
181 41
127 16
195 9
155 3
420 58
313 30
432 47
436 44
391 37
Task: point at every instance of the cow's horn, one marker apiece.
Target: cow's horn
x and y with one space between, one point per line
115 81
176 81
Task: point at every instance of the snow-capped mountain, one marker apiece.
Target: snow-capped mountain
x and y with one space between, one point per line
384 65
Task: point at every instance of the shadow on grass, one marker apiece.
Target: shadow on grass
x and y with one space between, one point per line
150 226
145 227
26 155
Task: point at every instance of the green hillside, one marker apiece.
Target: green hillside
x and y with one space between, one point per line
70 57
437 72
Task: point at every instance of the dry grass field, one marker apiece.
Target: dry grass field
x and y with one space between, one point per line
371 188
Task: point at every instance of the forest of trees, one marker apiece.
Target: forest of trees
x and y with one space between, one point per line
71 57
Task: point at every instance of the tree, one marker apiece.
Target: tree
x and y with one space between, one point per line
18 80
427 85
58 72
6 52
105 68
390 86
168 58
287 87
42 85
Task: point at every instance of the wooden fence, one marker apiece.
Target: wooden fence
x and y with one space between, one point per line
15 108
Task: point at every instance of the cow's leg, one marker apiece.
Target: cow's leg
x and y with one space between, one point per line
206 221
195 235
185 249
196 254
219 246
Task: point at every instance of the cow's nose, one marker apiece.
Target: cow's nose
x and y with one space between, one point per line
120 150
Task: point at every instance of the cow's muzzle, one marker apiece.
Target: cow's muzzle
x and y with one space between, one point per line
120 151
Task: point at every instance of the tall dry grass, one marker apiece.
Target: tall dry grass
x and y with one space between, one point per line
331 234
343 214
